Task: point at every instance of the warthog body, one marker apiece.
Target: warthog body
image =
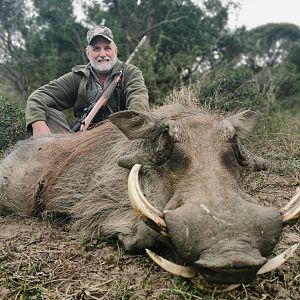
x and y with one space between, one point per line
191 163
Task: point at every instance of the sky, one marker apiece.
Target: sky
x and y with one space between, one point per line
254 13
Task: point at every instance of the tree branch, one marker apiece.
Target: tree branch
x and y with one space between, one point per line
162 23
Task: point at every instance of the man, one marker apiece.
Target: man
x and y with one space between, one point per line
85 83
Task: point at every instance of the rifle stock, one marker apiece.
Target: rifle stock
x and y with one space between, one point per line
101 102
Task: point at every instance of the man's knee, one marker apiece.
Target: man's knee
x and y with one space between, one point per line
57 121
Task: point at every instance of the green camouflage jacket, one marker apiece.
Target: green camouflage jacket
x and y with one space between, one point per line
78 88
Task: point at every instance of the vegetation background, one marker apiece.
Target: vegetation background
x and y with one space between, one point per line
189 47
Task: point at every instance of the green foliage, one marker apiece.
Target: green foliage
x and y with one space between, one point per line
42 42
266 45
38 43
288 89
227 89
287 81
61 36
231 89
294 57
177 33
13 27
12 125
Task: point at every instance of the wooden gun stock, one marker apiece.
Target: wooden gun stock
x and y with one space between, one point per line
101 102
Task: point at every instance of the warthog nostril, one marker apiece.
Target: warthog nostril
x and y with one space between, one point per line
232 261
231 266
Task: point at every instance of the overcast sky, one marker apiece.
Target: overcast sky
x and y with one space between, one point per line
254 13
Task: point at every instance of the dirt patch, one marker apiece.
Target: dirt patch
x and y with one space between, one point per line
46 261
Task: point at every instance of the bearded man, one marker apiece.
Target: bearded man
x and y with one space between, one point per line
83 85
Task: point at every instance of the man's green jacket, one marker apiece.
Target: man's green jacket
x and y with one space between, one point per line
78 89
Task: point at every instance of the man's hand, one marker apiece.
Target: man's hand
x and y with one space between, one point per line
39 129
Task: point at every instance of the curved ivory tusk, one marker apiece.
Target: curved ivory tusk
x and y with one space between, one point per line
278 260
141 205
183 271
291 211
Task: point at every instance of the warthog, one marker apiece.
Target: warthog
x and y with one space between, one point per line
188 164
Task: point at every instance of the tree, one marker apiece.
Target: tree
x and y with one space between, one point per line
177 32
267 45
38 43
63 37
14 30
287 78
12 125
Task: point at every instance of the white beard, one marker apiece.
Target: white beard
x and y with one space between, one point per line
103 66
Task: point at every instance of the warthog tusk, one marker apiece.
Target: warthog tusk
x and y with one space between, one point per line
278 260
183 271
141 205
291 211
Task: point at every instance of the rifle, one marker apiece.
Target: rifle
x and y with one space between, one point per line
91 111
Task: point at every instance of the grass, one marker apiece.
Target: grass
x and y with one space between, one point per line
25 282
277 138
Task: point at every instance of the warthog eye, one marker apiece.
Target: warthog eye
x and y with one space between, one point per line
230 159
178 160
231 154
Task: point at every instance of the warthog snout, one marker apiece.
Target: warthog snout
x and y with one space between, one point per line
230 261
226 244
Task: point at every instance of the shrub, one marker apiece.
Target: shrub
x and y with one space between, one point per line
230 89
12 124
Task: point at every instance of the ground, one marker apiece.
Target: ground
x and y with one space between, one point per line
42 260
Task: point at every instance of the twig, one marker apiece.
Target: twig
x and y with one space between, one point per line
244 287
103 283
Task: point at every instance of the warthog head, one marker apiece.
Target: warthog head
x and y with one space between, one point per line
185 183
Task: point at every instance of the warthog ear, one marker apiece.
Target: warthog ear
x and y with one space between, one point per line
133 124
243 122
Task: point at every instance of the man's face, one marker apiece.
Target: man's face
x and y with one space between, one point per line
102 54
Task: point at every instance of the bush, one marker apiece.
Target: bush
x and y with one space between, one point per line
288 89
231 89
12 124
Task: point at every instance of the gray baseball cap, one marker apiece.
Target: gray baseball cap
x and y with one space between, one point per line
99 30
